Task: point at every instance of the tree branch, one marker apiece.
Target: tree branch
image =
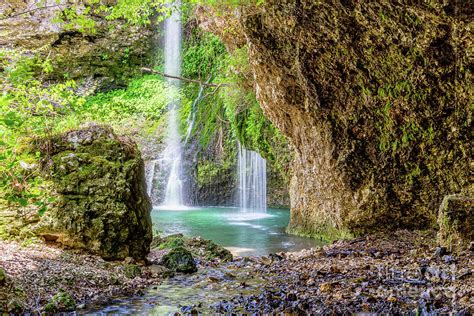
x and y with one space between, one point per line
29 11
199 82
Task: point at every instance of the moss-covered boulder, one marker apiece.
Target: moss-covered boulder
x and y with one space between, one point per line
456 221
60 302
102 205
208 249
179 259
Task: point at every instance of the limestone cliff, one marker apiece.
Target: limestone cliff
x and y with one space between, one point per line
375 98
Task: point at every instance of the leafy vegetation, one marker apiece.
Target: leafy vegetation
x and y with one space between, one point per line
33 106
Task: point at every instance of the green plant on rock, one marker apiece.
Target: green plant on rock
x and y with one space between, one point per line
131 271
28 107
172 242
60 302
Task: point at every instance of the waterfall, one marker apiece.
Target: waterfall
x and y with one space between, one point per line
150 167
192 114
252 181
173 153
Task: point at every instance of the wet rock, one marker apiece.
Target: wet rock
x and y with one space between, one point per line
60 302
266 260
180 260
159 271
291 297
440 251
102 204
449 259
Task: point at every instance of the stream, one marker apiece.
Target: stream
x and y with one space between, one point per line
243 233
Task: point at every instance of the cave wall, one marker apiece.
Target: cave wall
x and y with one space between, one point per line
375 98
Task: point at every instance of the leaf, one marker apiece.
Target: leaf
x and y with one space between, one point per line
23 202
42 210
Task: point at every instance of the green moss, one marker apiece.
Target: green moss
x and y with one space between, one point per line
60 302
180 260
172 242
215 251
325 234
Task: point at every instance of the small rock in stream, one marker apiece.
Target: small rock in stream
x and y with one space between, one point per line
439 252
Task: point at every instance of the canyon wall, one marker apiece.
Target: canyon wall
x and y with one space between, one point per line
375 98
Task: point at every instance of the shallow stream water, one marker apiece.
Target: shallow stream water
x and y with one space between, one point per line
244 233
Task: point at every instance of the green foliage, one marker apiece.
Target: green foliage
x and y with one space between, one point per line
204 56
31 108
27 107
231 110
131 271
146 96
60 302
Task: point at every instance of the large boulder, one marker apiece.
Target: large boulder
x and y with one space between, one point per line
374 97
102 205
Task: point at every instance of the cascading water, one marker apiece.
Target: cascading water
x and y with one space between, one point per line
252 181
150 175
173 154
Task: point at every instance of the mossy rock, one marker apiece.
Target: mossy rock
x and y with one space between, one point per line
215 251
456 221
102 204
131 271
179 259
209 249
168 242
60 302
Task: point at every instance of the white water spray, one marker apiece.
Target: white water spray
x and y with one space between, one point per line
173 154
252 181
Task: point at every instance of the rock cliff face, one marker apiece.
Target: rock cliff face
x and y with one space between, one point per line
102 205
100 60
375 99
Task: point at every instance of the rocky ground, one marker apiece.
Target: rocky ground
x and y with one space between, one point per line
404 272
45 278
